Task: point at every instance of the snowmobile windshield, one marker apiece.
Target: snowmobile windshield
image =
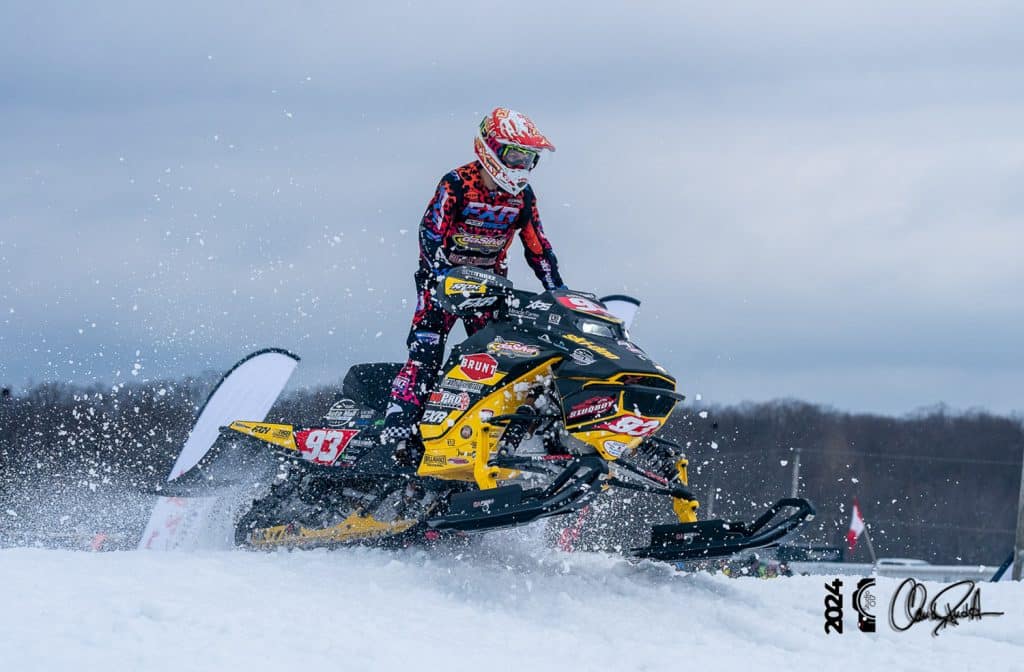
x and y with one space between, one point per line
600 328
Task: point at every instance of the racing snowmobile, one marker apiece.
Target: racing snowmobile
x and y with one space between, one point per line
536 415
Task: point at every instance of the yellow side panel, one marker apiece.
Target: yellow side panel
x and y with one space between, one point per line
279 435
460 447
353 528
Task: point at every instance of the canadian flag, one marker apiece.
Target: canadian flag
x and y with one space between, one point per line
856 526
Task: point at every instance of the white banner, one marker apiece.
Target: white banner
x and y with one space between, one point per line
246 392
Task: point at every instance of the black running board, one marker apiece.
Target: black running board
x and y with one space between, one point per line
718 538
510 505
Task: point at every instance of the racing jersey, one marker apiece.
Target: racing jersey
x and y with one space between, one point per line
466 224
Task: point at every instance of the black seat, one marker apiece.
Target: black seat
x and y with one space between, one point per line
370 384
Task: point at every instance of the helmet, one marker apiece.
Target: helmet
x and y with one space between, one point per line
509 146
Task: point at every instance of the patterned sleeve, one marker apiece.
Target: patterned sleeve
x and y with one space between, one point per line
539 254
436 222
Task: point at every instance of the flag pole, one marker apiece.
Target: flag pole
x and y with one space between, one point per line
871 547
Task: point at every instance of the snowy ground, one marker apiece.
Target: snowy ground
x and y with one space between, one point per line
504 606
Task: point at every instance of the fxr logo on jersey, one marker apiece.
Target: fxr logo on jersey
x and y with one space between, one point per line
631 425
489 216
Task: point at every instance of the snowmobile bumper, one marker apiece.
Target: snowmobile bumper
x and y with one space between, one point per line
511 505
717 538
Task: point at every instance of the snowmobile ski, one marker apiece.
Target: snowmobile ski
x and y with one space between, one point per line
717 538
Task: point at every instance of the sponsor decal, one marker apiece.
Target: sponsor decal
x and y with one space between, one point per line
593 346
479 366
401 384
495 226
582 304
477 302
484 213
478 275
461 385
342 411
554 318
537 304
615 448
458 460
434 460
431 337
324 446
583 357
522 314
631 425
456 286
459 400
281 434
457 259
434 417
479 243
591 407
500 346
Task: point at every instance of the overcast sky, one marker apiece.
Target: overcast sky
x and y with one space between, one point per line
813 200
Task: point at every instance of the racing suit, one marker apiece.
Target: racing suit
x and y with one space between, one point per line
464 224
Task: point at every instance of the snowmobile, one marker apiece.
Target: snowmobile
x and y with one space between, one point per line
537 414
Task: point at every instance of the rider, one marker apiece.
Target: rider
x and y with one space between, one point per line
471 220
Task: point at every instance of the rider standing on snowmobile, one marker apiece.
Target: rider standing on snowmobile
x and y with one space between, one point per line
472 219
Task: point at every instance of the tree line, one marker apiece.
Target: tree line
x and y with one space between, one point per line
936 485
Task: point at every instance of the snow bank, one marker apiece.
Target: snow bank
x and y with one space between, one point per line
502 606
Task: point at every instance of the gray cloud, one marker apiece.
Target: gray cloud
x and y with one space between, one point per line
812 201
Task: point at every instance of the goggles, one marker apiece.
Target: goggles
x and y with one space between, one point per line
515 157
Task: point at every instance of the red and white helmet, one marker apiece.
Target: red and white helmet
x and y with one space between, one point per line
509 146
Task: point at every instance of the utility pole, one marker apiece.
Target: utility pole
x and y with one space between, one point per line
795 487
1018 546
711 500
